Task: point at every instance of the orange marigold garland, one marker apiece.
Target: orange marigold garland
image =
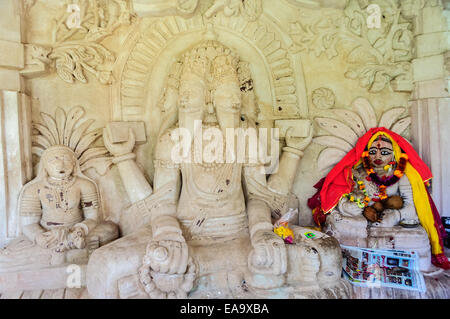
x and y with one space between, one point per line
391 180
360 202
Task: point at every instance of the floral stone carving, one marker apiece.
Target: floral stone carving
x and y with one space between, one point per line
77 38
376 56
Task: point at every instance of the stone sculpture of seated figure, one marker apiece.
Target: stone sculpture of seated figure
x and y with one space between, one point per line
59 213
375 205
199 232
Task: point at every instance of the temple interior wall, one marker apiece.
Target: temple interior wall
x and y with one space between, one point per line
318 55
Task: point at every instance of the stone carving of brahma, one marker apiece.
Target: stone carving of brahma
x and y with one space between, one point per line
205 228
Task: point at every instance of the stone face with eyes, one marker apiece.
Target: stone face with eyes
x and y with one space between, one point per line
227 103
192 93
59 165
381 153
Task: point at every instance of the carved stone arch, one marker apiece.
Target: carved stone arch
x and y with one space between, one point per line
154 45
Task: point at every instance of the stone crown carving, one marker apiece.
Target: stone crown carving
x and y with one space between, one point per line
69 130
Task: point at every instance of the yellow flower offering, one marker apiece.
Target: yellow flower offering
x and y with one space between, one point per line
285 233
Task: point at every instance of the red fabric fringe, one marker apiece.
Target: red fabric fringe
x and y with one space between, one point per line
440 261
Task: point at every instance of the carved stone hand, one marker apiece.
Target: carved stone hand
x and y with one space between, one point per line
310 263
48 239
118 149
168 256
77 237
269 254
296 142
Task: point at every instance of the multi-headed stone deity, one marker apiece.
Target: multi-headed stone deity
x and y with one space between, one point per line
205 228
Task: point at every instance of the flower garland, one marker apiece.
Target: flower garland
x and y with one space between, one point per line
391 180
360 202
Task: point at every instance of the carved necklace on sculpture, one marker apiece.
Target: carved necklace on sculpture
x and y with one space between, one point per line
197 153
384 183
60 191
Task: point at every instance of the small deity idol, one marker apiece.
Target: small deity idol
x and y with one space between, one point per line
59 213
378 187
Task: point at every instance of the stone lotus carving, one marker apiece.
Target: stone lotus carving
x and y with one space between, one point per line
69 130
376 56
346 126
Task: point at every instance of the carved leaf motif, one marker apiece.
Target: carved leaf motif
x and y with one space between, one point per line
45 132
78 132
40 140
365 111
78 73
101 164
401 43
92 153
320 36
401 125
74 115
61 130
338 129
51 125
60 116
252 9
87 140
380 81
63 71
333 142
360 55
373 55
75 58
390 117
329 157
352 119
37 150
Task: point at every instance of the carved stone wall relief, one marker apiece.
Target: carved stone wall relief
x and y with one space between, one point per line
70 130
158 39
346 126
378 57
77 37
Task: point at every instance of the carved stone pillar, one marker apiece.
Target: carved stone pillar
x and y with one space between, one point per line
430 100
15 119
